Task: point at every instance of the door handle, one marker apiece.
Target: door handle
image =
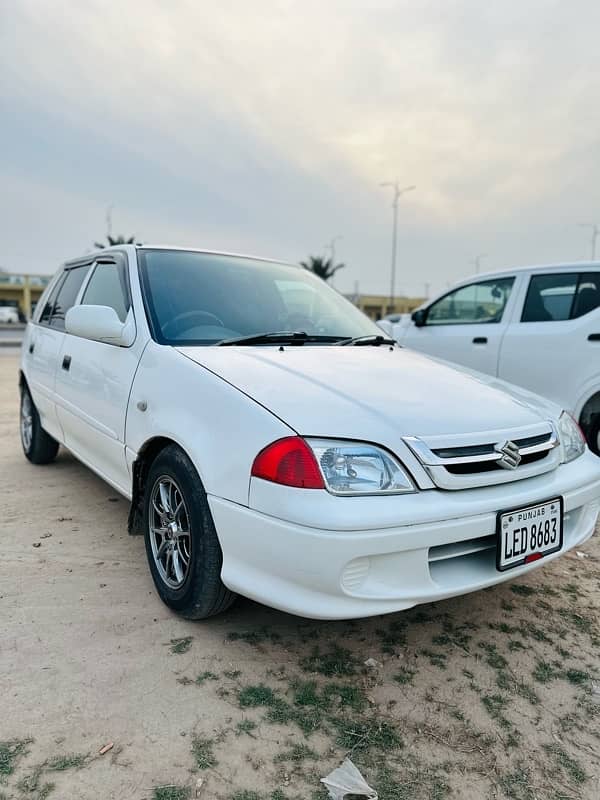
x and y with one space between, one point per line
480 340
66 365
32 347
594 337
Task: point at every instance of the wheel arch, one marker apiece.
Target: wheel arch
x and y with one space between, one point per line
590 410
146 455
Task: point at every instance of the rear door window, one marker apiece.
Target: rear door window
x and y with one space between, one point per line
66 295
561 296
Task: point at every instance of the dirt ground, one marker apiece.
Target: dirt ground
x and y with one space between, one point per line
492 695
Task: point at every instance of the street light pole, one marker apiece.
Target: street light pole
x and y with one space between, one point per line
477 262
595 233
398 192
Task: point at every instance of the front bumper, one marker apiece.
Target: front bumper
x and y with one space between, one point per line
423 547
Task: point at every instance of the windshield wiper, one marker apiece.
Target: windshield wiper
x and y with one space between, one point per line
363 341
279 337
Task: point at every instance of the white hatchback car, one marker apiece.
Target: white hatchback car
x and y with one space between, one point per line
274 444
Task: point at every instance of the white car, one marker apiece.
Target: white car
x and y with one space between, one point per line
9 314
274 444
538 327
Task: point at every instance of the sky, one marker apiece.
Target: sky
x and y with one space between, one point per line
267 127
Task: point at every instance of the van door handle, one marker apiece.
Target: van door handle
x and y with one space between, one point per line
32 347
480 340
66 365
594 337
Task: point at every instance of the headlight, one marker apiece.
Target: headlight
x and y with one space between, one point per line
353 468
571 438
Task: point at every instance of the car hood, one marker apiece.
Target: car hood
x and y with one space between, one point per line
369 393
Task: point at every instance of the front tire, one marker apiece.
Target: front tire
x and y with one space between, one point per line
594 435
182 547
39 447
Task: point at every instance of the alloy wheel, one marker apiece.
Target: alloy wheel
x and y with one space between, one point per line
169 529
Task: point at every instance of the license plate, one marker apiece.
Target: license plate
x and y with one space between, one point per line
527 534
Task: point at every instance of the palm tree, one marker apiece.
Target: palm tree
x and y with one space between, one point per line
113 240
323 267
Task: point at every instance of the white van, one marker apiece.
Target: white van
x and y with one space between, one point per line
537 327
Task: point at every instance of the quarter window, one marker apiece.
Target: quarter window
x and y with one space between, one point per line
554 298
65 297
476 303
108 287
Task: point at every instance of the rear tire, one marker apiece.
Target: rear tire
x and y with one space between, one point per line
39 447
182 546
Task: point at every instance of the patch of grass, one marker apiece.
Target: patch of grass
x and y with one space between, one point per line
10 752
206 676
515 645
181 645
171 792
577 677
405 675
582 623
70 761
522 589
430 783
362 735
517 785
506 606
202 750
495 704
529 629
31 785
337 661
494 658
245 726
349 696
232 674
277 794
255 637
245 794
436 659
570 765
255 696
297 753
393 637
544 672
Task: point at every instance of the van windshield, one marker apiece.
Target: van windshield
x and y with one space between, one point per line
203 298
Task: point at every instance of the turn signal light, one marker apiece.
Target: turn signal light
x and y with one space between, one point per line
289 461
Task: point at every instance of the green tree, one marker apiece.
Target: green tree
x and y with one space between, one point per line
113 240
323 267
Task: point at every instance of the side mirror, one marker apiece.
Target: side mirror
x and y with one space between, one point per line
99 323
419 317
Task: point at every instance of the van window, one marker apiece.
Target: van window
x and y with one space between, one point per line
476 303
562 296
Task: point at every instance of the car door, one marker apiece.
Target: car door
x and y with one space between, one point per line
466 325
94 379
43 345
553 347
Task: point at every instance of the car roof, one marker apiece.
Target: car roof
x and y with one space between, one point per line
570 266
137 247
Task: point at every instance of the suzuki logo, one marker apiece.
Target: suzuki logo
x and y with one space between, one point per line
510 458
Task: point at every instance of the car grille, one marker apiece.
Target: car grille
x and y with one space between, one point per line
497 457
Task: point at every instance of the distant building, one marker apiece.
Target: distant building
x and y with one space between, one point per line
377 306
22 291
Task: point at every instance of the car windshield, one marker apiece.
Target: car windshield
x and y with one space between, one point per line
203 298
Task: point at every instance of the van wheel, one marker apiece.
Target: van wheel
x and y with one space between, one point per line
182 547
39 447
594 435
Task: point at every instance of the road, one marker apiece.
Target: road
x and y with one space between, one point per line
487 696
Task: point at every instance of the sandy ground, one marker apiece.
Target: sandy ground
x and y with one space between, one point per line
487 696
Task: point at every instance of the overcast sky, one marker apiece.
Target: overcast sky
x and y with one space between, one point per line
267 126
